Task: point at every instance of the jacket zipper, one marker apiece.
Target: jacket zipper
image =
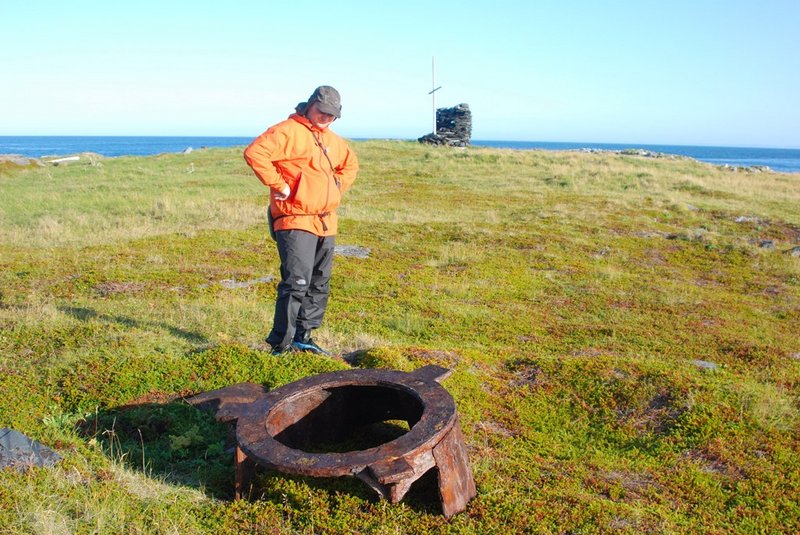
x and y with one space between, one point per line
324 152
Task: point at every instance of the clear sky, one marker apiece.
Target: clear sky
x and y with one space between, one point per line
691 72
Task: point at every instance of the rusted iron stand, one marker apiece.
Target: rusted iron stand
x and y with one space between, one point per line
278 429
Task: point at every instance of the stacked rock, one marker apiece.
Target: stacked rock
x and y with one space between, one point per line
453 127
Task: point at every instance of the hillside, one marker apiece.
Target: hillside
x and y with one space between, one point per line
623 333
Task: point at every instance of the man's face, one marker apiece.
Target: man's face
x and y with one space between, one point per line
319 119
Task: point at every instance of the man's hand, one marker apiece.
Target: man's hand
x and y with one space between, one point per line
283 194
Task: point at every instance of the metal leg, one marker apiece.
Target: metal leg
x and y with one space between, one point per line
245 469
456 485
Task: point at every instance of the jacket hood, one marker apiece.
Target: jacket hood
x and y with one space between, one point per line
301 108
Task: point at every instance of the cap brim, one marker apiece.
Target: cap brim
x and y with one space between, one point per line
330 110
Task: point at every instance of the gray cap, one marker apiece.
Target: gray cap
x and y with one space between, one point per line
328 100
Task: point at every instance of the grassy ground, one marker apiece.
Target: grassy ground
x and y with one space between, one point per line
578 297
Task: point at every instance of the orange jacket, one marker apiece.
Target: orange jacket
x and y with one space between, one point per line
292 152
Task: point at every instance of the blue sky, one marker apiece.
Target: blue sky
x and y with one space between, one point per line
696 72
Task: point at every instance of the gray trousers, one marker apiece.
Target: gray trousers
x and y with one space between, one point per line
306 262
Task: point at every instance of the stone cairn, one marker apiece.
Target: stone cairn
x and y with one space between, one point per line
453 127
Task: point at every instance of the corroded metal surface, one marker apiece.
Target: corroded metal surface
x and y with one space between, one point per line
285 429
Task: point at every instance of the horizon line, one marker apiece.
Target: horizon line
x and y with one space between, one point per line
388 138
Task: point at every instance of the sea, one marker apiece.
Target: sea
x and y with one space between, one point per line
778 159
781 160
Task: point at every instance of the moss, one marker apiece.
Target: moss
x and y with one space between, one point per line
569 293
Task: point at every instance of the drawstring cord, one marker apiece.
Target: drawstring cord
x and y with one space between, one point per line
324 150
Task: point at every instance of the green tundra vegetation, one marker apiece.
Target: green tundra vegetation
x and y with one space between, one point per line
623 333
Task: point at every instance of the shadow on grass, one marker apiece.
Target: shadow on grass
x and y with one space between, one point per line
180 444
86 314
423 497
173 442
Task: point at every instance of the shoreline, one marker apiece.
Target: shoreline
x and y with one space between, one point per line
754 159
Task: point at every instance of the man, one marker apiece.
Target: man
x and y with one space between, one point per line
307 168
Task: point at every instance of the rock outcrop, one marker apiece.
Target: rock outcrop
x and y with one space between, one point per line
17 160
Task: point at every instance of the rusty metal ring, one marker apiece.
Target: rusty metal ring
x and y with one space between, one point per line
263 420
